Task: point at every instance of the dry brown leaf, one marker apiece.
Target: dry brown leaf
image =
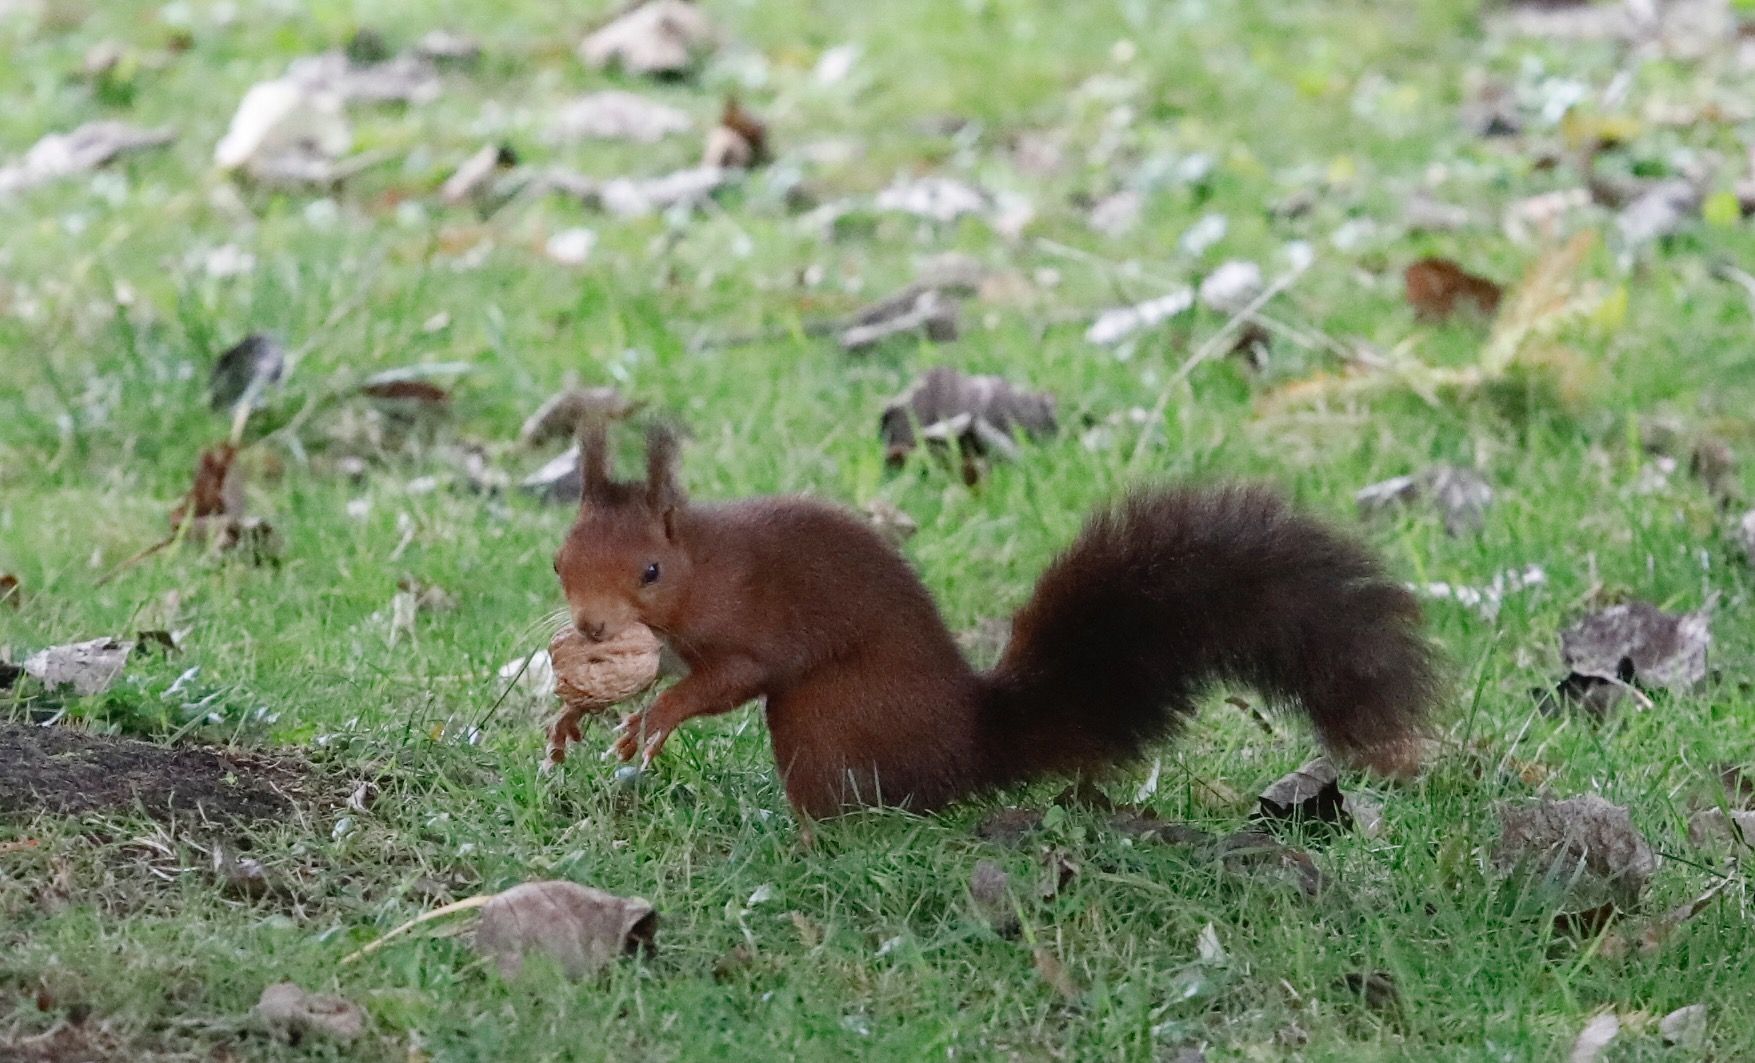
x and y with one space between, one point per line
1639 643
1311 793
592 676
88 667
1255 852
1582 842
292 1014
11 595
63 155
1058 871
990 889
580 928
931 316
476 172
1460 495
1685 1027
658 38
1594 1039
1114 326
1715 827
1438 288
979 415
614 114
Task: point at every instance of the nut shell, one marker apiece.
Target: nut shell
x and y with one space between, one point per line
595 675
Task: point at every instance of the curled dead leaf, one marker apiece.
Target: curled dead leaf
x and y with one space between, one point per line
1460 495
977 414
1311 793
657 38
1585 844
292 1014
580 928
88 667
90 146
1639 643
614 114
1593 1040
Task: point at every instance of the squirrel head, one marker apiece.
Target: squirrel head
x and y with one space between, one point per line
622 562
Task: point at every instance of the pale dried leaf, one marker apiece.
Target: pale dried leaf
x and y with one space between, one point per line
931 316
284 118
90 146
1660 211
1640 643
938 199
1718 827
1113 326
88 667
1685 1027
1231 287
615 114
1460 495
580 928
570 247
292 1014
634 197
990 889
1594 1039
1049 967
1581 841
409 79
1745 535
656 38
979 414
1312 792
475 172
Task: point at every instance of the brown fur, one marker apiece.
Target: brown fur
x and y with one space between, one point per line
868 699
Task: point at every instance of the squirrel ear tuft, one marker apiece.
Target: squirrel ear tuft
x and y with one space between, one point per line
593 461
663 493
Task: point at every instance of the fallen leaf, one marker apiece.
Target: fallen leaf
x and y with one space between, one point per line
1311 793
1594 1039
1739 787
636 197
292 1014
406 79
1714 827
558 479
570 247
88 667
284 120
1745 535
614 114
1639 643
977 414
937 199
1460 495
580 928
1653 936
1661 211
562 415
1685 1027
1438 288
658 38
1564 839
1208 948
242 877
1255 852
475 172
245 370
1231 287
90 146
1117 214
448 47
10 593
1113 326
990 889
738 142
931 317
1058 871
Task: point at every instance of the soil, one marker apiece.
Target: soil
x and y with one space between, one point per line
67 772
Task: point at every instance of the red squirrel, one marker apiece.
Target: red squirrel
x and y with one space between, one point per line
868 698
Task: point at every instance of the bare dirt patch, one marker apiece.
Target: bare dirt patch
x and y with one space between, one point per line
67 772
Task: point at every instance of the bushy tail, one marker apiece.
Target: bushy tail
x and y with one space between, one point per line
1173 589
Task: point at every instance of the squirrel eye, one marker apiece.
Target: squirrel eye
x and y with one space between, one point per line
650 575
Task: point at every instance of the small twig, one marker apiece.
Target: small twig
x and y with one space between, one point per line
464 905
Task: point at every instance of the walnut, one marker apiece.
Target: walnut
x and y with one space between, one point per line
592 676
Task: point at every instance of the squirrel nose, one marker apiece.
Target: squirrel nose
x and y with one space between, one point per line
594 632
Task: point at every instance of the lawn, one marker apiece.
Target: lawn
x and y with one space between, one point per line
1331 144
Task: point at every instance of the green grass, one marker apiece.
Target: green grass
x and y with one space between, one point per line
869 946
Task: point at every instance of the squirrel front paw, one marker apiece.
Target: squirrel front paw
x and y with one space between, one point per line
639 734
